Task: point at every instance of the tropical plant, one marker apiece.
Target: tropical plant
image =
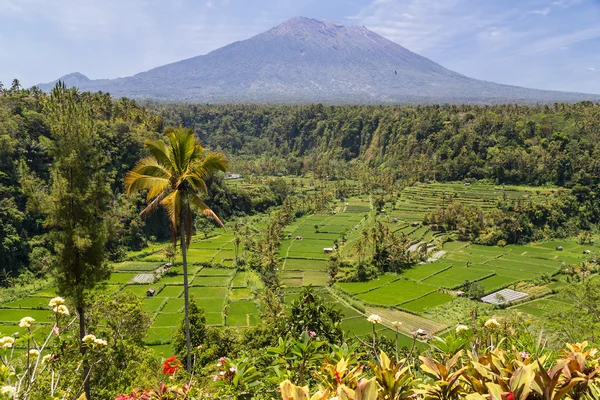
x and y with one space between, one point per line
175 176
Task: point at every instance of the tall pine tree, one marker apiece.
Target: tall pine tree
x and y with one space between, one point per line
78 201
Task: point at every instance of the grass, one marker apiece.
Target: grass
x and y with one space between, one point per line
207 292
121 277
211 281
362 287
396 292
173 306
136 266
240 293
216 272
29 302
315 278
295 264
160 334
152 304
167 319
15 315
357 325
430 300
170 291
239 311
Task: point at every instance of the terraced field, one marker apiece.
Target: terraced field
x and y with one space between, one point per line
432 284
416 201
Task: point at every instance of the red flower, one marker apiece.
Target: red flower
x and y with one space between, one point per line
508 396
171 365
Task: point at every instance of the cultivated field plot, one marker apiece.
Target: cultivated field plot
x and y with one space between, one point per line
416 201
423 286
542 306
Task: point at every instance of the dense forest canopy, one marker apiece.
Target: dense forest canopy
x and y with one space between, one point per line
536 145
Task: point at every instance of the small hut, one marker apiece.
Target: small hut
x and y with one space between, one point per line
328 250
150 292
559 248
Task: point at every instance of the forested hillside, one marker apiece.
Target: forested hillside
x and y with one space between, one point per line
507 143
27 152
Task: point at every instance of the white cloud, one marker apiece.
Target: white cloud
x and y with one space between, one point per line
544 11
590 69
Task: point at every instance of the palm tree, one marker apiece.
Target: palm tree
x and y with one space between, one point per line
175 176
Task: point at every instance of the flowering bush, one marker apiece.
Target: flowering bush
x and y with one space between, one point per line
37 370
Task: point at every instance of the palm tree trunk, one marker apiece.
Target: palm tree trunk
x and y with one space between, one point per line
83 349
186 298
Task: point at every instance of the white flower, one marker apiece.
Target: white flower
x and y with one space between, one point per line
26 322
55 302
222 373
461 328
396 324
88 339
492 323
7 390
7 342
232 369
34 353
100 342
47 358
374 319
62 310
219 364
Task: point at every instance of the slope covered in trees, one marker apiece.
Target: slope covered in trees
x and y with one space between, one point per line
506 143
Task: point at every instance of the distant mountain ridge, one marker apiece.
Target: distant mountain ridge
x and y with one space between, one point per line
305 60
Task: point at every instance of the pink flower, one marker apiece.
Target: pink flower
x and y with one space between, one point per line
524 354
222 373
55 330
232 369
222 359
312 333
216 378
200 347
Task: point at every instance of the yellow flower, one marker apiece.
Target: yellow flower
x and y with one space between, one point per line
100 343
7 342
461 328
62 310
55 302
374 319
88 339
34 353
492 323
26 322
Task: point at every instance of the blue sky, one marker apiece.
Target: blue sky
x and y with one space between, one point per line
533 43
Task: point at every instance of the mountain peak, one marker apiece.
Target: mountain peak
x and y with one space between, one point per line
308 60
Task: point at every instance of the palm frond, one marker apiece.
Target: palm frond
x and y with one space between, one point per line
159 150
153 205
213 162
172 203
203 209
135 181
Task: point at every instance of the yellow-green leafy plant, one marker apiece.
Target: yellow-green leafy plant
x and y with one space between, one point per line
395 380
366 389
446 376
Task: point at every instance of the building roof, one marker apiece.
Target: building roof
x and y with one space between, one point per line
503 296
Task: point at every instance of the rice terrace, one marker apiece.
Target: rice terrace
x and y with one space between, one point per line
313 211
228 294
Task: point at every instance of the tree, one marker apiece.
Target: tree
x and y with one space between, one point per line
78 201
16 85
175 176
310 313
